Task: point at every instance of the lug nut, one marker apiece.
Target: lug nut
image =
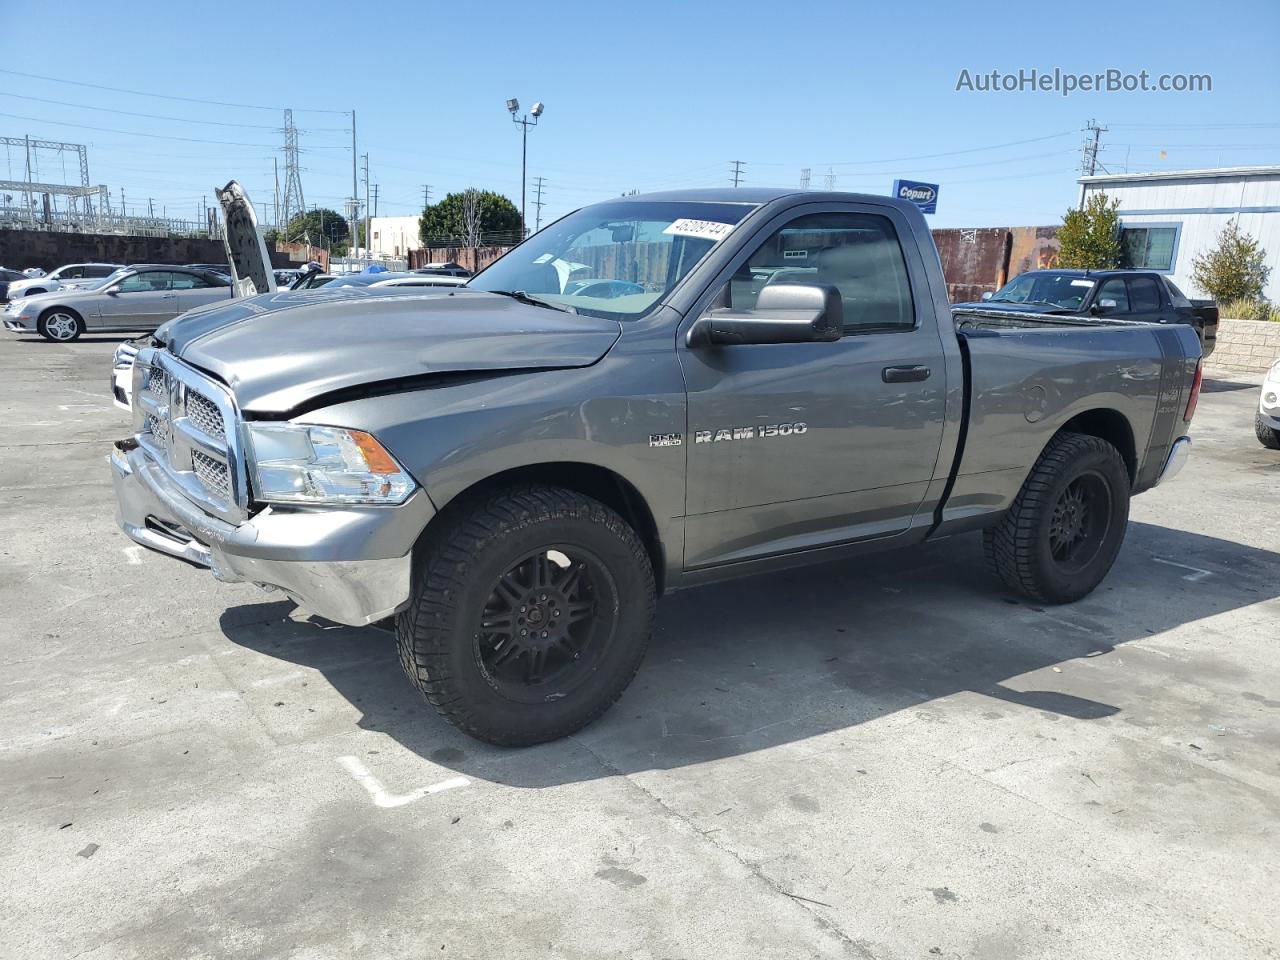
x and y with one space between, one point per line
524 633
544 634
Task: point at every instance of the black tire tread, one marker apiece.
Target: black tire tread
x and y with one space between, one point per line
422 629
1267 435
1009 547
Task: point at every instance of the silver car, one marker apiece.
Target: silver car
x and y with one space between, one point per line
136 298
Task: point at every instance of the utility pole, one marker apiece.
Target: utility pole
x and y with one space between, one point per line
537 202
1089 163
737 172
375 200
275 206
426 195
353 208
804 177
366 206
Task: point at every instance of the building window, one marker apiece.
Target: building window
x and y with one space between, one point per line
1149 248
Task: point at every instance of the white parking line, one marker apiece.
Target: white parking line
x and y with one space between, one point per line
1195 574
379 794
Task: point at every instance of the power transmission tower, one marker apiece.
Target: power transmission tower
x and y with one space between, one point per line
292 202
737 172
804 178
537 202
426 195
830 179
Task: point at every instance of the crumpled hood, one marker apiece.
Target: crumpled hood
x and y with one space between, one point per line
280 351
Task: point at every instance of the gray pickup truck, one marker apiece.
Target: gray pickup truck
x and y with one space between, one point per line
651 393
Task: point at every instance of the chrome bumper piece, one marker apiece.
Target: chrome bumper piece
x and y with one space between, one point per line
350 565
1176 460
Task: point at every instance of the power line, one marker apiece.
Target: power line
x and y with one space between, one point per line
160 96
155 116
932 156
131 133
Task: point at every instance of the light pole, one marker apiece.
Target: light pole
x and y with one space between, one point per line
513 105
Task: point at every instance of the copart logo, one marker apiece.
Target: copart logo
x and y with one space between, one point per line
917 194
751 433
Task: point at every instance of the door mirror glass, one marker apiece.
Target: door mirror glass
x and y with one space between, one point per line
784 313
1106 305
986 295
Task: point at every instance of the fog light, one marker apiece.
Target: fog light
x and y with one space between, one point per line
1269 399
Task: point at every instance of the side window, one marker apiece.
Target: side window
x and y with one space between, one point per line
857 253
145 282
102 271
1143 295
186 281
71 273
1113 289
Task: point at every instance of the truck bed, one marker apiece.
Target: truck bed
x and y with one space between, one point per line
967 321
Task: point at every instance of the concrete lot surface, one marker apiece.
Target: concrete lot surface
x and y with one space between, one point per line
887 758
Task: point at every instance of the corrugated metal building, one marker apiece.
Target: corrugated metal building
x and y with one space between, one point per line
1167 218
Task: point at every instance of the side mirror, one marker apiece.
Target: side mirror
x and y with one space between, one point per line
784 313
1103 306
986 295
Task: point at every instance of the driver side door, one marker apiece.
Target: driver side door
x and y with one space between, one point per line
141 301
794 446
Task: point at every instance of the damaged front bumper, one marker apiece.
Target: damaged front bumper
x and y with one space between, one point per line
347 564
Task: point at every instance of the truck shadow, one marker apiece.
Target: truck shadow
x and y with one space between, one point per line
746 665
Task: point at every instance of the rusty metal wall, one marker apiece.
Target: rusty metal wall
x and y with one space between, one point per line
976 260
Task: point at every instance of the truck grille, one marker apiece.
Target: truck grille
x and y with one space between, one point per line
188 427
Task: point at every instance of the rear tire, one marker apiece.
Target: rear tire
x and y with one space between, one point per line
60 325
1268 435
1065 528
530 614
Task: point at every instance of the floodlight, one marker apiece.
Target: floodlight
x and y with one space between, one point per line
513 105
537 109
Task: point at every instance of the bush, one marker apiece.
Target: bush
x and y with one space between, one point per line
1235 270
1247 309
1090 237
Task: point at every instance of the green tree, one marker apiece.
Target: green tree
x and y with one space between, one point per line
323 227
1236 269
446 222
1090 236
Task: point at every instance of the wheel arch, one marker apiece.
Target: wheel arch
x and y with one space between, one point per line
1111 425
60 308
609 487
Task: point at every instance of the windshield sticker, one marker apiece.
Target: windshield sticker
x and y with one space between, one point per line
705 229
1082 283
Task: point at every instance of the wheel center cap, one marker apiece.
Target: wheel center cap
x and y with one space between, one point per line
535 615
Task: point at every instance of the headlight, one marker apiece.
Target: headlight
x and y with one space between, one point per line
298 463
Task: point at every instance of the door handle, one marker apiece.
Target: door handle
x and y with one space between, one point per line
904 374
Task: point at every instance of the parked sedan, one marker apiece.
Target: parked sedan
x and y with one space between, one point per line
141 298
1266 422
72 275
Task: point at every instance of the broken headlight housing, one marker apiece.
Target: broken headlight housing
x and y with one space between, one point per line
301 463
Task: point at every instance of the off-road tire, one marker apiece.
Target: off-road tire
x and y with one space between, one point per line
455 568
1268 435
42 325
1018 549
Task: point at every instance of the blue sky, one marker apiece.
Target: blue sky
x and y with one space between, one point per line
639 96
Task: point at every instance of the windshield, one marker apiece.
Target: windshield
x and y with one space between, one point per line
613 260
1062 290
